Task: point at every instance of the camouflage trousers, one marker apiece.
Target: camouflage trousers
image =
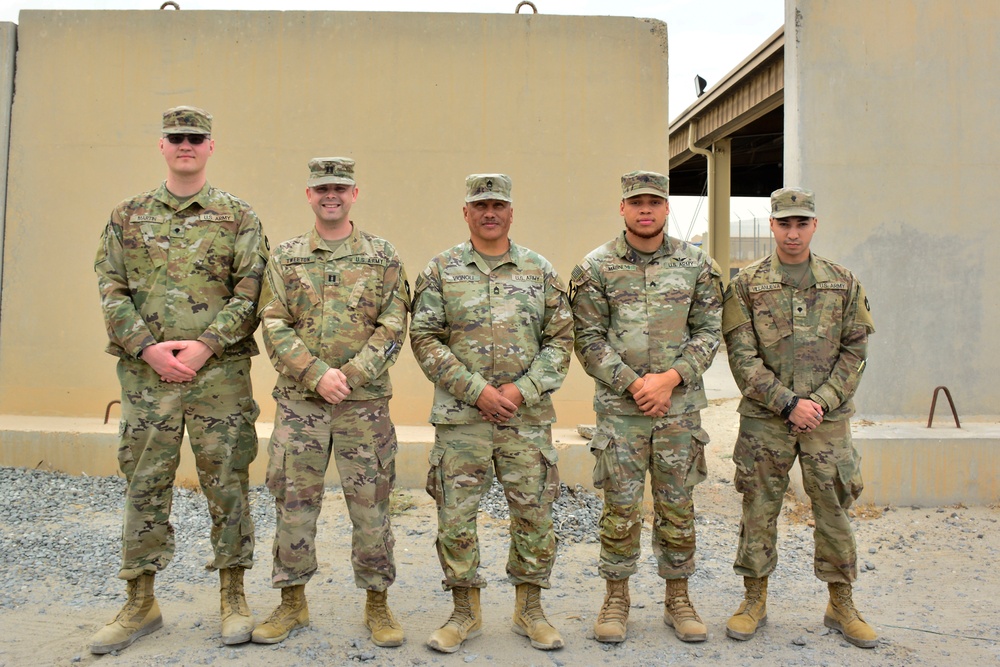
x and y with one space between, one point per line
218 411
462 464
672 449
362 440
831 475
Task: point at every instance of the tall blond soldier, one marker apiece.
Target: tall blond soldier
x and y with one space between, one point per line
493 331
796 328
179 270
334 312
648 309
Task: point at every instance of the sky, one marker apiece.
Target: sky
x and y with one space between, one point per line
705 37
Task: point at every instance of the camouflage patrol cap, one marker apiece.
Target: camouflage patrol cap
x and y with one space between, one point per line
487 186
330 170
187 120
645 183
791 202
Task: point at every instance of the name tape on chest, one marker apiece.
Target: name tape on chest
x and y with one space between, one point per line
619 267
766 287
291 261
145 217
460 278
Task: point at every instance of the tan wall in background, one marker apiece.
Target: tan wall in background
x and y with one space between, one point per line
891 112
564 105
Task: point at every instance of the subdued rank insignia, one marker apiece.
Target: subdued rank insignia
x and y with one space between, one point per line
332 279
406 285
868 306
489 184
496 289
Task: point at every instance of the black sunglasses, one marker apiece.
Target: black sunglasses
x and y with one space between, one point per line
193 139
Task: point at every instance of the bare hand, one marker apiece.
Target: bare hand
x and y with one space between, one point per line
194 355
333 386
160 357
806 416
653 396
494 406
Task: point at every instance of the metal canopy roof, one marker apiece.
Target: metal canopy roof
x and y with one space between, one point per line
746 106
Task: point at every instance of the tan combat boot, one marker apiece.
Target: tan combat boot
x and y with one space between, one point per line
292 613
752 613
679 613
386 630
845 619
465 622
612 620
237 621
139 617
530 621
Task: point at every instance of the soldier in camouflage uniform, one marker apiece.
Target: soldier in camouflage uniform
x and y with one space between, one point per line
333 309
179 270
796 328
647 309
493 331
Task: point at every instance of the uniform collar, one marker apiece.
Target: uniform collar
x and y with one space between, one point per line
353 245
167 198
819 270
471 256
627 252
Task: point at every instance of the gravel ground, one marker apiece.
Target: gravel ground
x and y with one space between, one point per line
929 583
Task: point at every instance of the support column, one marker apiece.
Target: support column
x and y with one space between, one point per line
719 189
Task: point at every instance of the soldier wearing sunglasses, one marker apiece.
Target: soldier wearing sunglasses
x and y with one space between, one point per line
180 269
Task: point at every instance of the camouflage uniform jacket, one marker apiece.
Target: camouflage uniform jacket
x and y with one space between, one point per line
181 273
345 309
474 327
634 318
785 341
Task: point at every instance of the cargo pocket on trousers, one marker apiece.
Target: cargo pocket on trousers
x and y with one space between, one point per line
552 482
698 471
435 485
246 442
849 484
386 449
126 458
606 466
743 458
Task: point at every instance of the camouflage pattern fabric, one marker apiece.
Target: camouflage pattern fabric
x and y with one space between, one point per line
462 464
634 318
831 474
345 309
219 414
785 342
362 440
181 273
473 326
672 449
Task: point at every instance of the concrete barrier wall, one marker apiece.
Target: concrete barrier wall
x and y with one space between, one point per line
564 105
891 117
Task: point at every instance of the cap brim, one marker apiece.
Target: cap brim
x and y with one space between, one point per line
482 196
794 213
644 191
329 180
186 129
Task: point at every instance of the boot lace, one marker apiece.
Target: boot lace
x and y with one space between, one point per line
845 601
461 615
235 598
533 607
681 608
378 611
615 608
